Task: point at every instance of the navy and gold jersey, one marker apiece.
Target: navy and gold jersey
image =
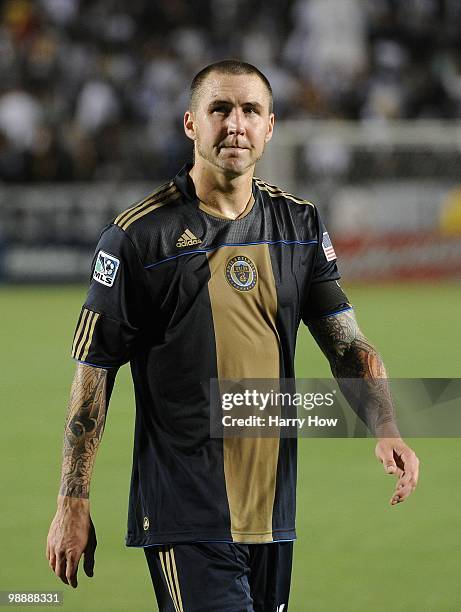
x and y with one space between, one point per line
187 295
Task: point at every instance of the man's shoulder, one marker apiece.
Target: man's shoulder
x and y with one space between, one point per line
276 193
145 210
158 224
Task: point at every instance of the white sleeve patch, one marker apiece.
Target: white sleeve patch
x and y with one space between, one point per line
106 269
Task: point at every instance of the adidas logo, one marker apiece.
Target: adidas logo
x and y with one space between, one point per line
187 239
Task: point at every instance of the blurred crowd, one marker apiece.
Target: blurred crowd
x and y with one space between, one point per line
96 89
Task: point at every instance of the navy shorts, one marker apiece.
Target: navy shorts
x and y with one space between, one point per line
221 577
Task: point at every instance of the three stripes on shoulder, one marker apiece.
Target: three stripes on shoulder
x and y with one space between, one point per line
84 334
161 196
275 192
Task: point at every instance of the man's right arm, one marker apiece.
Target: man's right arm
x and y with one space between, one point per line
72 532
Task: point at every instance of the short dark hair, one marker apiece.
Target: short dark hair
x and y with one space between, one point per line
225 67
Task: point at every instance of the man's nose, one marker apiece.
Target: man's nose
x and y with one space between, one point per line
236 122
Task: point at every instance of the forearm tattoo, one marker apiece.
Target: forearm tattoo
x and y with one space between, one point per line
83 430
359 369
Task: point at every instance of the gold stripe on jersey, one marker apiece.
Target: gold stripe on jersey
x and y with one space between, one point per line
149 206
90 336
83 334
166 573
85 338
247 346
155 194
80 325
275 192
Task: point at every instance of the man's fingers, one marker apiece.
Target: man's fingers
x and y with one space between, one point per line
66 545
407 483
60 568
71 571
390 466
400 496
409 478
65 567
52 560
399 460
48 552
393 470
412 468
401 493
410 460
405 486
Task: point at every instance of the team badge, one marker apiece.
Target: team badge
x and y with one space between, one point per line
241 273
106 269
145 523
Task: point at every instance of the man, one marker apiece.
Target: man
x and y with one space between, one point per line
208 278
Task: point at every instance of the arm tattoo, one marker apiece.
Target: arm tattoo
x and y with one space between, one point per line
352 357
83 430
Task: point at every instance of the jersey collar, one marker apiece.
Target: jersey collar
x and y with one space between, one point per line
185 184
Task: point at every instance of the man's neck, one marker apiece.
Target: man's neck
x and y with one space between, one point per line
227 195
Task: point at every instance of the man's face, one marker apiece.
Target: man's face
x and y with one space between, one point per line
231 122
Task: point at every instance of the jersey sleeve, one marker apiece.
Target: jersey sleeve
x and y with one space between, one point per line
325 267
324 295
324 300
112 315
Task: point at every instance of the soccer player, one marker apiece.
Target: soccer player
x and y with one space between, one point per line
209 277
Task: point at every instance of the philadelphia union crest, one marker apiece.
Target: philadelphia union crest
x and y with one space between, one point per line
241 273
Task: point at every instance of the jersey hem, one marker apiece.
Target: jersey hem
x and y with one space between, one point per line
157 539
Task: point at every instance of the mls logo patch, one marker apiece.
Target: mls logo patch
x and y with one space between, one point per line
105 269
241 273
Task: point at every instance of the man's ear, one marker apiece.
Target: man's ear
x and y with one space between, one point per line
189 124
270 128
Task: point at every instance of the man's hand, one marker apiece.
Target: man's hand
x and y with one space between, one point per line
399 459
71 534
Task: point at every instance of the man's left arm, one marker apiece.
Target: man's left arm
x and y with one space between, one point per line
352 356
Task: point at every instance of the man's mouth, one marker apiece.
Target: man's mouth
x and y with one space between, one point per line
234 147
